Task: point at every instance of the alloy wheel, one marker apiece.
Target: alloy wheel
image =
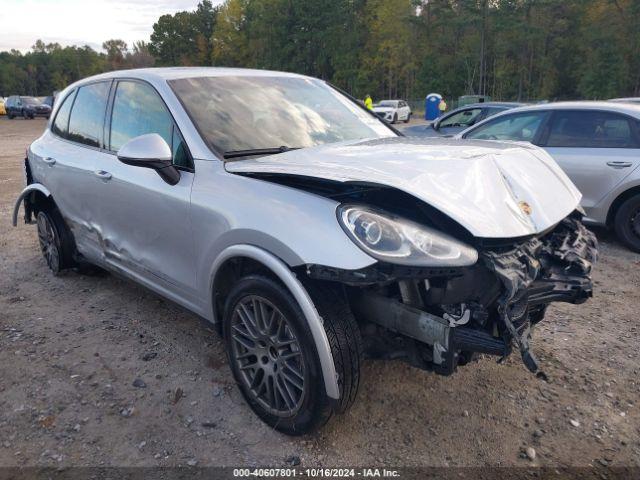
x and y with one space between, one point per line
268 356
47 239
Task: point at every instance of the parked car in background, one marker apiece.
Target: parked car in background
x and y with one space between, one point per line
48 101
626 100
26 107
457 120
597 144
2 109
393 111
148 174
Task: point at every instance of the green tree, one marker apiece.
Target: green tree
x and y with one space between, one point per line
184 38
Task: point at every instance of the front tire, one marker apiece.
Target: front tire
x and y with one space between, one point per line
274 360
408 119
395 118
627 223
55 240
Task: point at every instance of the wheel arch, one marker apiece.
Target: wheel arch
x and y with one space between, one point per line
620 199
32 196
252 257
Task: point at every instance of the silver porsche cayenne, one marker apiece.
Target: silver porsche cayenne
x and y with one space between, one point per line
310 232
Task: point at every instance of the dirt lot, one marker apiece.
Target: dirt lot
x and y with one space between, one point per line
72 346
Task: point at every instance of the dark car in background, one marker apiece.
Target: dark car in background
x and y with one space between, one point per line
48 100
459 119
26 107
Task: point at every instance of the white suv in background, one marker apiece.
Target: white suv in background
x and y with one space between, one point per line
393 111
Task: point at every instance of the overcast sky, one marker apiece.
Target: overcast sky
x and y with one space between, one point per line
81 22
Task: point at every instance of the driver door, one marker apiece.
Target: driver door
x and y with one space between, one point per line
145 222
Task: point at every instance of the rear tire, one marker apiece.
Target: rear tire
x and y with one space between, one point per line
55 240
627 223
273 357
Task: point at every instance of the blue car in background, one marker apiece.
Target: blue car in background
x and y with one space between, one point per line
459 119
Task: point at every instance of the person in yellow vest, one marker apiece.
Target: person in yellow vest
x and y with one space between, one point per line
442 106
368 102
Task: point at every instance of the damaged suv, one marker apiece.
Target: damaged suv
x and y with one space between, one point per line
309 231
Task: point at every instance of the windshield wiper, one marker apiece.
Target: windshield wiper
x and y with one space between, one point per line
258 151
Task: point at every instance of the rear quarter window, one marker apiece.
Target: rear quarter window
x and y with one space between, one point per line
61 123
86 122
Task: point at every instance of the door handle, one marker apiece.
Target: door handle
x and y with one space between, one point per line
102 175
49 161
619 164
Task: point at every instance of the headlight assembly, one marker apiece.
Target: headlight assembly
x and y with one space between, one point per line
397 240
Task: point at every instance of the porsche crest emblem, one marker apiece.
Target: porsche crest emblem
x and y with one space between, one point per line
525 207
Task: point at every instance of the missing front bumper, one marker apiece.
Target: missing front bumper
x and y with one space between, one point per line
526 278
555 268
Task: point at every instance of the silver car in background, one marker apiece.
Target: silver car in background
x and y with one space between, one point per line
597 144
304 228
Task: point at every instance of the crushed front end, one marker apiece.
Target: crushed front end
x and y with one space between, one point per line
439 318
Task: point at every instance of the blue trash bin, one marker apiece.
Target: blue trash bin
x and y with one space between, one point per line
431 103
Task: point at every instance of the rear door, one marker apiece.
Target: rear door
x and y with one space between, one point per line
597 149
145 221
404 110
65 158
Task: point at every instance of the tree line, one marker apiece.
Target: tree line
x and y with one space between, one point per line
508 49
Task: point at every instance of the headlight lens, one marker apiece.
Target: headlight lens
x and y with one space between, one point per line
397 240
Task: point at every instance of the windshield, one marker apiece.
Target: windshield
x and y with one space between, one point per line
387 103
247 113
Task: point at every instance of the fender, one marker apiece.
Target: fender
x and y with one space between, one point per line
33 187
279 268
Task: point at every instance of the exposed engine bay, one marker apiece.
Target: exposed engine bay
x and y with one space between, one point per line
439 318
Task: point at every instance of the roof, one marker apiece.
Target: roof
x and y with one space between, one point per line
494 104
626 99
174 73
620 107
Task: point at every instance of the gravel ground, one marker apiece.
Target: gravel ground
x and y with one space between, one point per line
72 347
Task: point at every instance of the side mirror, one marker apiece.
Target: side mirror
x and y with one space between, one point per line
150 151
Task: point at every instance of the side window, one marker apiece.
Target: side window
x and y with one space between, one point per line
465 118
87 115
61 123
491 111
518 126
591 129
181 156
138 110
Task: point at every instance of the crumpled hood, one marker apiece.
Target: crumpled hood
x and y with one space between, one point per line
493 189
